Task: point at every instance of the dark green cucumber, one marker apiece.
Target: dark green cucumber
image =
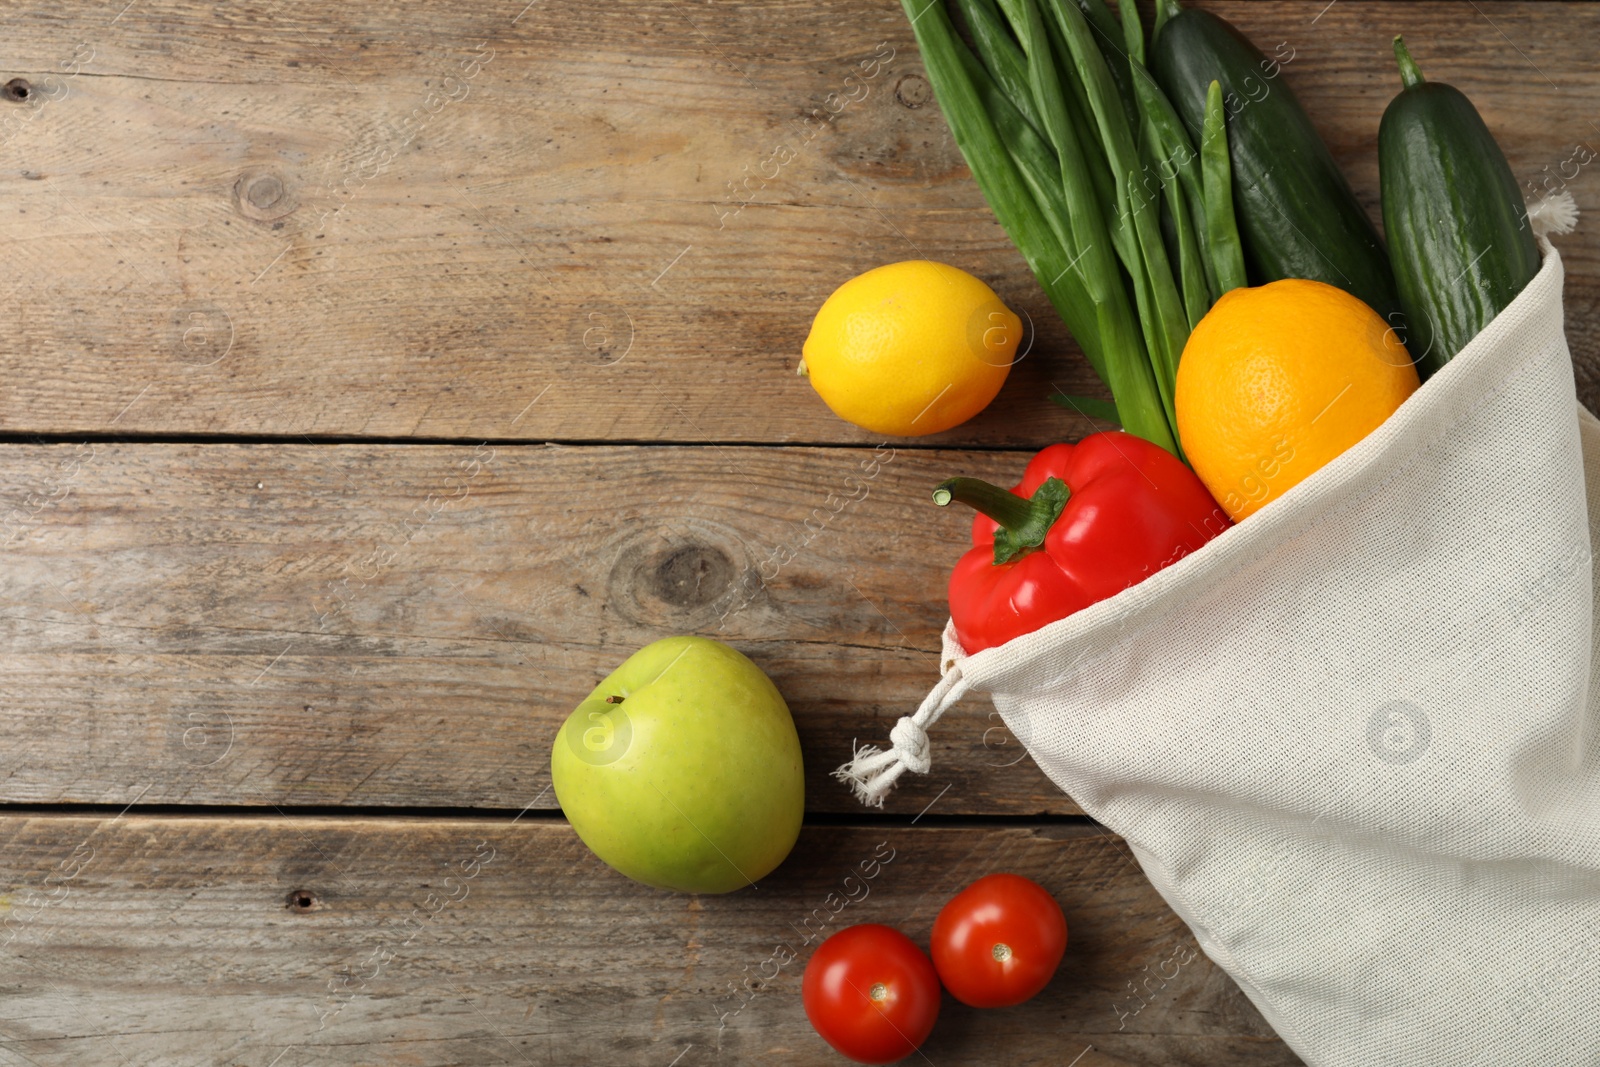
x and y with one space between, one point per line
1458 233
1296 213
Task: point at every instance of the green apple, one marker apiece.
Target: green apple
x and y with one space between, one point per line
682 769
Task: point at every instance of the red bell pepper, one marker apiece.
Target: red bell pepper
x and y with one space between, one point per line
1086 522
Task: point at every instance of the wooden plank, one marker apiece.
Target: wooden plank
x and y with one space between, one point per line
256 941
349 220
371 625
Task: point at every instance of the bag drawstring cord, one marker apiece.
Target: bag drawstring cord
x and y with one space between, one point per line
872 772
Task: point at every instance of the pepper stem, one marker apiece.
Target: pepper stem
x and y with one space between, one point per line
1410 73
1001 505
1023 521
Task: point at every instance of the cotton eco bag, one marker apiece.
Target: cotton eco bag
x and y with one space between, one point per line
1354 741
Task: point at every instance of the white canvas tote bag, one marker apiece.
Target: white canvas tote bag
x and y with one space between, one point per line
1355 740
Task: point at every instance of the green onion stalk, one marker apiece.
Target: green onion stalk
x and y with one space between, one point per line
1088 168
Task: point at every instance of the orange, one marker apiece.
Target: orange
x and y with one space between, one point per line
1278 380
910 348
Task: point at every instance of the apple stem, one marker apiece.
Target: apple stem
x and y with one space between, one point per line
615 700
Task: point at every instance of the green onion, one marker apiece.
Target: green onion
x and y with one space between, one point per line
1064 130
1132 31
1001 56
1140 393
995 172
1176 149
1164 142
997 175
1078 110
1036 166
1110 38
1167 145
1161 314
1193 276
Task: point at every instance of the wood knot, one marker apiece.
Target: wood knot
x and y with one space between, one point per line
303 901
912 90
691 576
17 90
263 195
897 146
682 577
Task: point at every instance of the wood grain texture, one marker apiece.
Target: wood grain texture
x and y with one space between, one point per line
253 941
267 219
515 222
380 625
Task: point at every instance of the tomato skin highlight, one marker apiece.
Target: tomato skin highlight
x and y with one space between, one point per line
999 941
847 972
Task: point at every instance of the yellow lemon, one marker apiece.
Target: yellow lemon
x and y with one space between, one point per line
1277 381
910 348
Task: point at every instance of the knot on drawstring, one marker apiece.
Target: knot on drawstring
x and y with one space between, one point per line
872 772
910 743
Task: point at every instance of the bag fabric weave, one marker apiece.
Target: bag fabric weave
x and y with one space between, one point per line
1354 742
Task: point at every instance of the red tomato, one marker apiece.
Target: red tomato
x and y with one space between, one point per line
871 993
998 941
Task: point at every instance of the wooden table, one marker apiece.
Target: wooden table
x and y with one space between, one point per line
379 376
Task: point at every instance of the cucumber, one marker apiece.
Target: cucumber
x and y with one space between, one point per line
1458 233
1296 213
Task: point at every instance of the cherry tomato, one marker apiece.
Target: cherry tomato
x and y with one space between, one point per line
871 993
999 941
